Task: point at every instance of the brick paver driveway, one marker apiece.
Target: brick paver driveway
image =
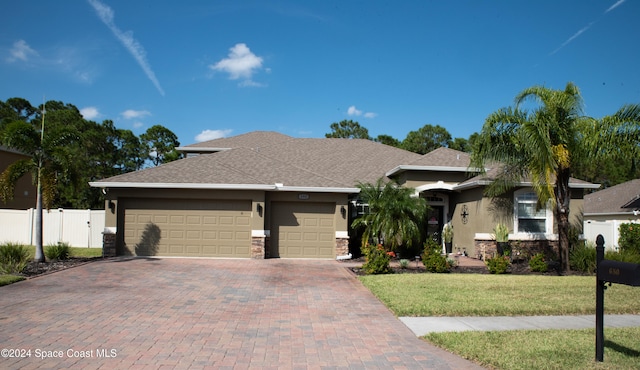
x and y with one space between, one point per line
200 313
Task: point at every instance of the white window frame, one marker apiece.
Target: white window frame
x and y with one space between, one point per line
531 198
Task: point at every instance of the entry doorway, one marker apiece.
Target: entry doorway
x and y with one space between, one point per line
435 223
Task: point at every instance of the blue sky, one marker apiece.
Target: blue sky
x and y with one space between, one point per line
206 69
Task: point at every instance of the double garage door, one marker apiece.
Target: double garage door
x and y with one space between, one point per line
202 228
216 228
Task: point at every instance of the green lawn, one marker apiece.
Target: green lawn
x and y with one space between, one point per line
9 279
75 252
544 349
515 295
497 295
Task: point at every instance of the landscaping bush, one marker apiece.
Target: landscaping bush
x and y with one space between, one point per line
622 256
58 251
583 257
537 263
498 264
433 260
629 240
13 258
377 260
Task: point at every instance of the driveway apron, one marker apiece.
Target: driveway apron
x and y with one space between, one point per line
206 313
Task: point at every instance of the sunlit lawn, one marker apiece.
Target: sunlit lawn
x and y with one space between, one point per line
497 295
516 295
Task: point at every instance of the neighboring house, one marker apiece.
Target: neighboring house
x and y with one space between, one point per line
264 194
606 209
24 195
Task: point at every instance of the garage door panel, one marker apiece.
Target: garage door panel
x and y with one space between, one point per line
303 230
187 228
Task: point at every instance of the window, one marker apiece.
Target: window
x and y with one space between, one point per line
529 219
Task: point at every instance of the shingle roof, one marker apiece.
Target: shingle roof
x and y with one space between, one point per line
622 198
444 157
267 158
253 139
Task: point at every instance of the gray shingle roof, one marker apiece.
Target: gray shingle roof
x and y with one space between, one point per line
621 198
267 158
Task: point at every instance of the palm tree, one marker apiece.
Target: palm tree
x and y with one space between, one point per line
47 160
544 143
395 216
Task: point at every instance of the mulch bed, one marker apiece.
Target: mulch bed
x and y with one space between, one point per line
41 268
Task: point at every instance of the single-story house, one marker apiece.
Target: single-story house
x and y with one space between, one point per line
607 209
24 195
265 194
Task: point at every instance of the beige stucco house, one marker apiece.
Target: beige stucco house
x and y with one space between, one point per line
265 194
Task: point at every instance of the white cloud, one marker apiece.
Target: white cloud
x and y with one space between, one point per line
21 51
240 64
207 135
617 4
130 113
90 113
353 111
138 124
106 15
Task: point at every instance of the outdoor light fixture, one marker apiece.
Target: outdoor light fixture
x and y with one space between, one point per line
343 212
259 209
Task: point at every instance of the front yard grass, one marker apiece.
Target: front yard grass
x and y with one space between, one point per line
544 349
516 295
9 279
74 252
497 295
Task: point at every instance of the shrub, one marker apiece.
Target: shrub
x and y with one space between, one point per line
377 260
498 264
629 240
623 256
432 259
58 251
13 258
583 257
537 263
404 264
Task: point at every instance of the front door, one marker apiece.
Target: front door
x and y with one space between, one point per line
435 223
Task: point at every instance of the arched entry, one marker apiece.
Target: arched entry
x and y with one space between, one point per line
437 213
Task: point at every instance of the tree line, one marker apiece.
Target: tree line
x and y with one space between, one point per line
617 167
68 151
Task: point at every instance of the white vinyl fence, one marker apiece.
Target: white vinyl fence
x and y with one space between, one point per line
78 228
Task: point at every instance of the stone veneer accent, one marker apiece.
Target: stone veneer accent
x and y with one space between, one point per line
258 247
520 248
342 246
109 244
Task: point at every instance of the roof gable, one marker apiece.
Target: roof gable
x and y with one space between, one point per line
621 198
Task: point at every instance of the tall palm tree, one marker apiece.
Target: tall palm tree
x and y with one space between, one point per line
395 216
47 160
542 144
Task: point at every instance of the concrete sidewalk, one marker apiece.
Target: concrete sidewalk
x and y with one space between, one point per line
425 325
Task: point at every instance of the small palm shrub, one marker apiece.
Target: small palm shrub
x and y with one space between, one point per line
58 251
432 259
13 258
404 264
583 257
377 260
537 263
498 264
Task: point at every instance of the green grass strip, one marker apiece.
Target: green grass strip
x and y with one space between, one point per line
497 295
544 349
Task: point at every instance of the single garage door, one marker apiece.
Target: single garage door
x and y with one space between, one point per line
303 230
188 228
